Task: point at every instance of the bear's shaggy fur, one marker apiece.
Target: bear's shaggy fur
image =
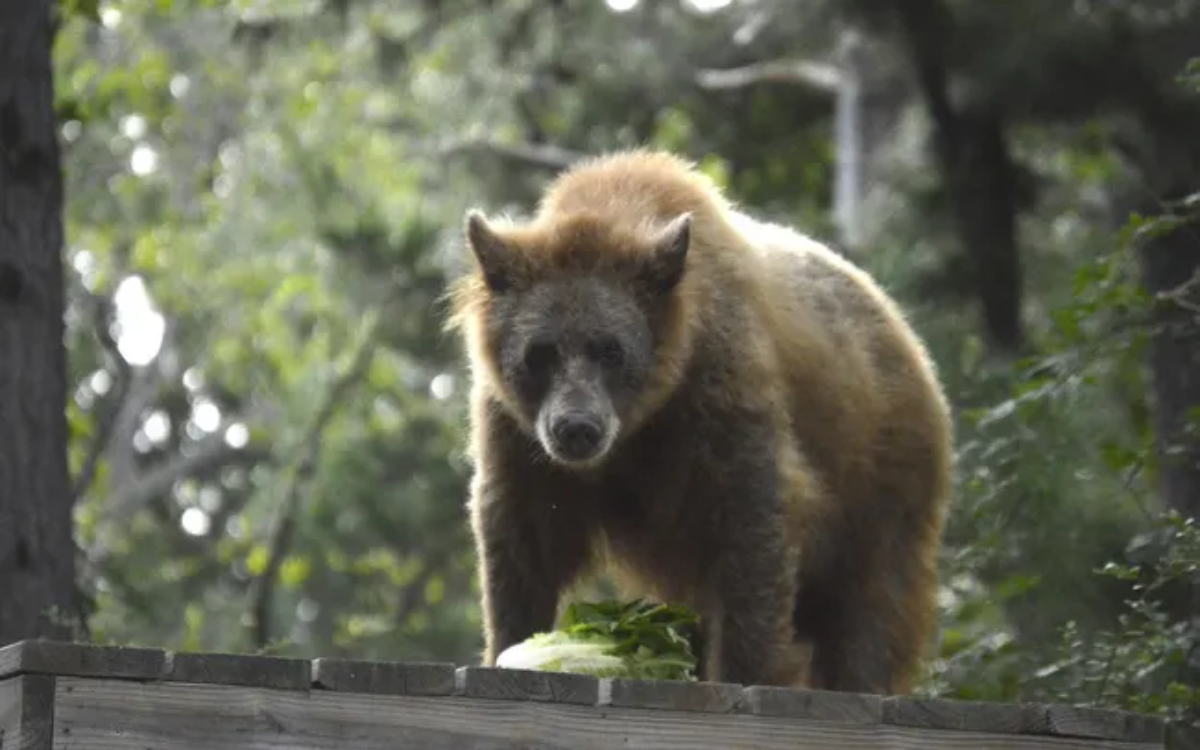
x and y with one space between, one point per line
729 413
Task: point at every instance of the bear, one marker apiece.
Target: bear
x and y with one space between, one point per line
721 411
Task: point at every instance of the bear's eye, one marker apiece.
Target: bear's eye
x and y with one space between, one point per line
539 356
608 352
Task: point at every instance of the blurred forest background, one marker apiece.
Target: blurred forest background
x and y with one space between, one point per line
263 197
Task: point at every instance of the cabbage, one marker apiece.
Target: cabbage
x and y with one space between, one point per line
636 639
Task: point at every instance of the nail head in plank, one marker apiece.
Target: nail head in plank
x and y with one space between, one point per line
248 670
673 695
527 685
405 678
80 660
817 705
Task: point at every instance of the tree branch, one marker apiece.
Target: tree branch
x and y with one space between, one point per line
114 404
542 156
145 385
412 595
201 456
283 523
815 75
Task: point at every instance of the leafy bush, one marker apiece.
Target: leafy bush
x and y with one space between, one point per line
1148 658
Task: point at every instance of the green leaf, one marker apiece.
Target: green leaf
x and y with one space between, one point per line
256 561
294 571
634 639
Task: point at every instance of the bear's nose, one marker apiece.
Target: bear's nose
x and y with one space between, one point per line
578 436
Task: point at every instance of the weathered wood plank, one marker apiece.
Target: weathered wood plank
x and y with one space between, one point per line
391 678
814 705
704 697
1065 721
126 715
10 710
80 659
1082 721
27 712
956 715
527 685
249 670
1179 737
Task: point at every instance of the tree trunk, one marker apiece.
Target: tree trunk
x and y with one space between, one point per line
1170 266
1167 156
976 169
37 563
980 178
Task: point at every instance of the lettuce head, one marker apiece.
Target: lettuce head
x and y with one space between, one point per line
637 640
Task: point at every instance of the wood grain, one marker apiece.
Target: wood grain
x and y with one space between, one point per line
124 715
527 685
119 697
390 678
250 670
1180 737
1084 721
815 705
27 712
705 697
10 710
938 713
79 659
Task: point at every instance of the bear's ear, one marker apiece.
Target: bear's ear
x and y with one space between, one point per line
668 255
496 257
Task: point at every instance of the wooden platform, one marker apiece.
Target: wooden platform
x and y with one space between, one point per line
63 695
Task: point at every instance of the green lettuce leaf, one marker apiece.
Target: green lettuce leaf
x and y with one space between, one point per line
636 639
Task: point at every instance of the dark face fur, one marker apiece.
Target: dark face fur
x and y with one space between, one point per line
575 352
575 348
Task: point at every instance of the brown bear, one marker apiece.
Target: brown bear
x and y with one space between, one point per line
727 413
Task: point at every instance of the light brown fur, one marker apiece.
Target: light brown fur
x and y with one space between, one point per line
767 333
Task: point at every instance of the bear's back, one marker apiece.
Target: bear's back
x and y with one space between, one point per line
855 368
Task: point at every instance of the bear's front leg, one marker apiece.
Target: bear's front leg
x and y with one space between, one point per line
748 635
748 638
525 561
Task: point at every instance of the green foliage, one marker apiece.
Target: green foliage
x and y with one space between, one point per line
284 179
1144 658
636 625
1147 662
1038 509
